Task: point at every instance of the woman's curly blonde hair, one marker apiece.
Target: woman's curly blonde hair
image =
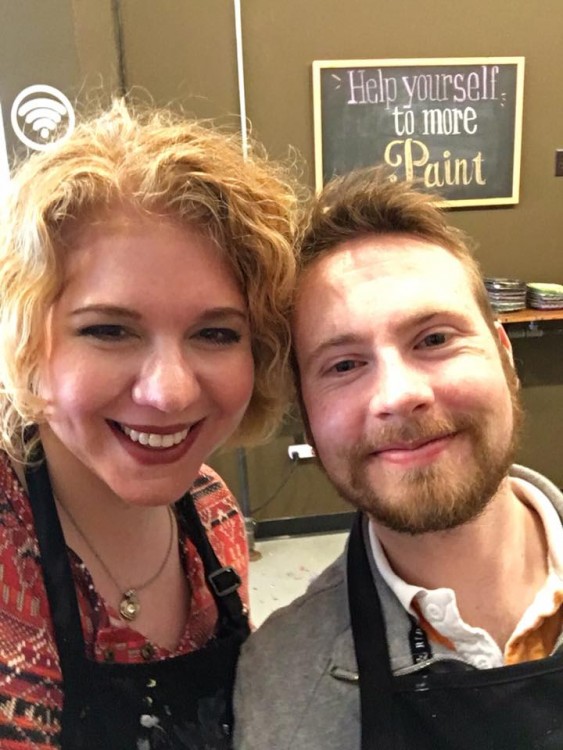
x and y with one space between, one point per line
159 163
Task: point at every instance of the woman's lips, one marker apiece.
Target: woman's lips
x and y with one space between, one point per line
154 445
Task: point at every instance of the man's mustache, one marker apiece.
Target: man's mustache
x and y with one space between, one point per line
412 433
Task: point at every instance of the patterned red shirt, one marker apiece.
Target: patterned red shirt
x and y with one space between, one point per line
31 694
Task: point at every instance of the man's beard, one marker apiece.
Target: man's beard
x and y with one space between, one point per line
437 497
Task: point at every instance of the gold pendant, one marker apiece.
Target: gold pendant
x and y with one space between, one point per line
129 606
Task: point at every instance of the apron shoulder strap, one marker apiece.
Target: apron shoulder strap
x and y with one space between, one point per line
370 644
56 571
223 581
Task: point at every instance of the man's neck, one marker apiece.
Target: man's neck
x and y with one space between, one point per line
495 564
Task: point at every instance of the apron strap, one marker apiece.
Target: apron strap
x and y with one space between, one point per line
223 581
370 644
57 576
59 582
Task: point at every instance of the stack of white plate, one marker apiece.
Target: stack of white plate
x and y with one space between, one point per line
506 295
543 296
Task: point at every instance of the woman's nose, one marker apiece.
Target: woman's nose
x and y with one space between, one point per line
167 382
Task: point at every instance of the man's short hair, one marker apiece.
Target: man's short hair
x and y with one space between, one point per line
372 201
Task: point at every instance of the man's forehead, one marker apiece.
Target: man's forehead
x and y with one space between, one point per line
371 257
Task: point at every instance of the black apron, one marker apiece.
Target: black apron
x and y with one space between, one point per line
181 702
447 705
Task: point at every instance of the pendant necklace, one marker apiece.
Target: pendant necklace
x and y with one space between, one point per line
129 605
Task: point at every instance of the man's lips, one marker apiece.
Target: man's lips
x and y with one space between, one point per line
410 451
410 445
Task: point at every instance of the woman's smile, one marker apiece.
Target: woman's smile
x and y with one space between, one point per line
152 448
152 437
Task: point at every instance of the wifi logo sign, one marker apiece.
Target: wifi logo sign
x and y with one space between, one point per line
42 116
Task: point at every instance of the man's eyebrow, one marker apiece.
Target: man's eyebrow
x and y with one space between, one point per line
333 342
422 318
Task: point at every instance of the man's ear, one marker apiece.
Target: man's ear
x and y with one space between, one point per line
299 397
504 341
305 420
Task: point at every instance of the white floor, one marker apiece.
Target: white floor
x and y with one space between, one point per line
286 567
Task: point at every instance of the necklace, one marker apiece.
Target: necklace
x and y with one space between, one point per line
129 605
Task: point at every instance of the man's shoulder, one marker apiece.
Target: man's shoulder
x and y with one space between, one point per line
319 611
549 489
293 654
534 477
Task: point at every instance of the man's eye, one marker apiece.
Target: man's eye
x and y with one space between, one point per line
433 339
105 332
345 365
220 336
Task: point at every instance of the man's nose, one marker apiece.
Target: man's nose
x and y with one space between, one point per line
400 388
167 382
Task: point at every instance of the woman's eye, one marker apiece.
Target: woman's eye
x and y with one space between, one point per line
221 336
105 332
433 339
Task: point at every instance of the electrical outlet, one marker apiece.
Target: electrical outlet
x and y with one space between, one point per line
559 162
300 452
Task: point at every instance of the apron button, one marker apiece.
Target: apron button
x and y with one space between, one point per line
434 613
147 651
483 662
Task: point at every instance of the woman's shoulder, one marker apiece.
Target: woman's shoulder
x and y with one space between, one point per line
222 519
207 481
16 520
13 498
20 570
213 499
30 694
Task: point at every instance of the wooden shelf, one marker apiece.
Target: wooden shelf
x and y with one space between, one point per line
529 316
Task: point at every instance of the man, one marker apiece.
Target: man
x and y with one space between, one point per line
441 625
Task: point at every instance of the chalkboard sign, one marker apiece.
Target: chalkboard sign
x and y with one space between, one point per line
455 124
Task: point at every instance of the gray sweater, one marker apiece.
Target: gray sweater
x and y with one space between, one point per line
297 684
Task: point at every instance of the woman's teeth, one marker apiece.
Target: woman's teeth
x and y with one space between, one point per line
154 440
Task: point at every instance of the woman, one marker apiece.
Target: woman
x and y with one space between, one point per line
145 270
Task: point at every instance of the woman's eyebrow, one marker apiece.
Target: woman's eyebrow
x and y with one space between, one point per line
110 310
210 314
221 313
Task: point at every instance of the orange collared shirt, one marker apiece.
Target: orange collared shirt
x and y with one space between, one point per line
540 626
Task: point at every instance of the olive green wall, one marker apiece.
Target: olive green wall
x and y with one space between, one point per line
69 44
184 51
281 40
